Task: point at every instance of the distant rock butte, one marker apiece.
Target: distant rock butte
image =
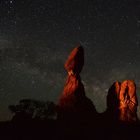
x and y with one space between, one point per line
122 101
128 102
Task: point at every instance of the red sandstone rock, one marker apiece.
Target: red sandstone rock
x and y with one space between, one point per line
75 61
128 102
74 66
112 112
73 91
122 102
112 97
73 101
73 86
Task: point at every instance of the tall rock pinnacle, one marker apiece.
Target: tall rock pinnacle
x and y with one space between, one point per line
74 65
73 101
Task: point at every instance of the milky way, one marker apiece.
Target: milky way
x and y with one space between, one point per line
36 37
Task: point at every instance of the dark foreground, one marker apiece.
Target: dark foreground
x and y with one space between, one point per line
66 130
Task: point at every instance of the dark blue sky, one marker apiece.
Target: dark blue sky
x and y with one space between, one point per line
36 37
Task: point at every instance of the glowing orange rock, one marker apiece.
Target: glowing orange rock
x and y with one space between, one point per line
73 100
122 102
75 61
128 102
73 88
74 66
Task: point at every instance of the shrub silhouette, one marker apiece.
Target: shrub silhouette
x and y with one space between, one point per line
28 109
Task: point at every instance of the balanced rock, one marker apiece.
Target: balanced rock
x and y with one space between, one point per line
73 101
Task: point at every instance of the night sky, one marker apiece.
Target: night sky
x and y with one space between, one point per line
36 37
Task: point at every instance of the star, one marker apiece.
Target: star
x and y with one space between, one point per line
11 1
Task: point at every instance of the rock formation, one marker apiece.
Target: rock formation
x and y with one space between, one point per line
113 101
112 97
122 101
73 101
128 102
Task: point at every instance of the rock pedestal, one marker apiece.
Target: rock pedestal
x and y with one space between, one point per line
73 102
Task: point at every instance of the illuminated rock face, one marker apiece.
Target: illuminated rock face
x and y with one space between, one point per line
122 101
128 102
74 66
75 61
73 100
72 93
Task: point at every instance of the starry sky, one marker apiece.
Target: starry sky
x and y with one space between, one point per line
36 37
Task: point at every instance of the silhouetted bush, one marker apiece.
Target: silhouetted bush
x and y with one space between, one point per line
29 109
